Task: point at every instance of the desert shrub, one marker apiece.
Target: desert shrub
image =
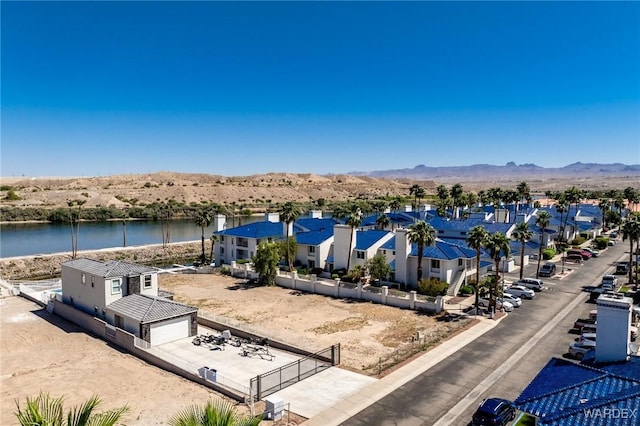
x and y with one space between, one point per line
432 287
12 196
225 270
601 243
548 253
466 290
335 276
578 241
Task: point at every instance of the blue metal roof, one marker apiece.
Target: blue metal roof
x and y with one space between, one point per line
365 239
313 232
563 392
314 238
263 229
389 245
314 224
443 250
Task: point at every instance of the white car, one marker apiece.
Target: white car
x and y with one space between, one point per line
594 252
520 291
514 300
609 280
579 349
508 307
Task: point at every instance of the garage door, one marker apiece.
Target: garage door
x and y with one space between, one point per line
170 330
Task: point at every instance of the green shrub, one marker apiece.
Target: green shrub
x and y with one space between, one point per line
432 287
548 253
578 241
601 243
335 276
242 261
466 290
12 196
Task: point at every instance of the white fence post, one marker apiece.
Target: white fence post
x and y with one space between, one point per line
384 294
412 299
336 289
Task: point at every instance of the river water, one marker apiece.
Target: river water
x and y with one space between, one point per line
25 239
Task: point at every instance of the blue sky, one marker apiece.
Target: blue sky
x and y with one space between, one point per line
238 88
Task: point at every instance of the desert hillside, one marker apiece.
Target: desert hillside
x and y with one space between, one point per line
124 190
256 190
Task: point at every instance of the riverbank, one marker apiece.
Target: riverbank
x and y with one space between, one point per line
48 265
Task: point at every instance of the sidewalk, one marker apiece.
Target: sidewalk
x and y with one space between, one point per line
357 402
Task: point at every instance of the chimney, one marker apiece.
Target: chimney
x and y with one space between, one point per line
614 327
219 222
272 217
315 214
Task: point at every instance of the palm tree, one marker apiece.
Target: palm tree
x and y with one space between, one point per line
544 217
383 221
524 192
523 234
456 197
498 247
604 205
203 220
214 413
45 410
443 196
631 231
288 214
477 238
422 234
418 193
354 219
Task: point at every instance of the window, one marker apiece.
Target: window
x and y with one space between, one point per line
360 254
221 250
147 281
222 238
93 281
312 249
435 264
83 278
115 286
312 264
460 262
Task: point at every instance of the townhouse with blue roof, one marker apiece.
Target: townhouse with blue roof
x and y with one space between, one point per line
364 246
314 236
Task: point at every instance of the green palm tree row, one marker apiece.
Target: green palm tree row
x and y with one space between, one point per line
498 247
288 214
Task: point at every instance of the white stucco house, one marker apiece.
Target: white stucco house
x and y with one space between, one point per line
125 295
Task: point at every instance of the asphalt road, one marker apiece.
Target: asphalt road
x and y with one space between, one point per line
501 362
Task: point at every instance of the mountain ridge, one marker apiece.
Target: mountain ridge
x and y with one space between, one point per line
509 170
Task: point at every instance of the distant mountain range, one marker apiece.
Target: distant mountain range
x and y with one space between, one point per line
510 170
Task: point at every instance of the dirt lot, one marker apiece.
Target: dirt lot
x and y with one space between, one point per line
41 351
365 331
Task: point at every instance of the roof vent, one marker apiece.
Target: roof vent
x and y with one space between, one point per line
584 400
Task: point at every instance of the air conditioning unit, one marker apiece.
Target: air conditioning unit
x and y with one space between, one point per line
274 408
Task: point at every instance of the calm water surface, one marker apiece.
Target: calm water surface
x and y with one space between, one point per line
24 239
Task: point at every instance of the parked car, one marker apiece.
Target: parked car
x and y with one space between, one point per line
584 253
580 323
548 269
609 279
591 336
611 243
579 349
594 252
622 268
613 234
574 258
532 283
494 411
520 291
500 304
514 300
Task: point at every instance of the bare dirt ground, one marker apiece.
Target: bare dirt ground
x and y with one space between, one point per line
41 351
365 331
